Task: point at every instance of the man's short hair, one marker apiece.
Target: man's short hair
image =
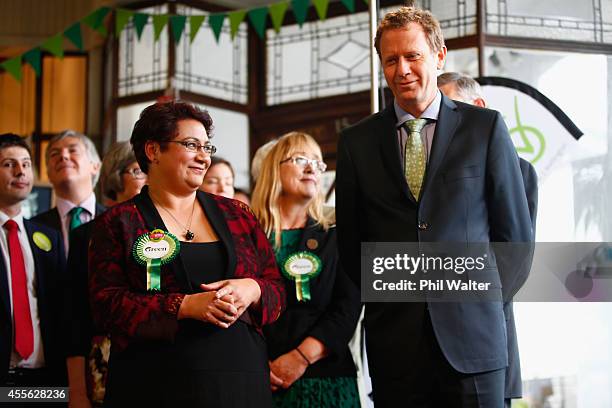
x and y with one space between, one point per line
10 140
466 86
92 153
406 15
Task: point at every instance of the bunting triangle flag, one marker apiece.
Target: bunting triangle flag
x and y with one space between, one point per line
216 24
140 21
235 18
73 33
177 24
195 23
321 7
95 20
54 45
258 19
122 17
277 14
349 4
300 10
32 57
13 67
159 22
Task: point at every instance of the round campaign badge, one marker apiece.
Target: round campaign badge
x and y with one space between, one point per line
302 267
154 249
42 241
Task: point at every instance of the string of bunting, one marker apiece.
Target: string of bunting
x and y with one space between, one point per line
96 21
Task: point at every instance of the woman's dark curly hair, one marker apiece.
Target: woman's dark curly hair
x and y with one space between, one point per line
158 123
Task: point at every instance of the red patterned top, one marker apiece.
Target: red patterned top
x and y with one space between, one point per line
121 304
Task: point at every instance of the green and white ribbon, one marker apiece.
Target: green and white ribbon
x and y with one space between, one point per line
301 267
154 249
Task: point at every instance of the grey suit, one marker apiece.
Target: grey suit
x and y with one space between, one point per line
472 192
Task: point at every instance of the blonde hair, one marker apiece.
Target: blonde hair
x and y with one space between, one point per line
268 188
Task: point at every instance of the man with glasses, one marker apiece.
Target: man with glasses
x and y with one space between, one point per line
427 169
73 168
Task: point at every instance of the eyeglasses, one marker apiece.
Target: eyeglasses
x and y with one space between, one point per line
135 173
302 162
193 147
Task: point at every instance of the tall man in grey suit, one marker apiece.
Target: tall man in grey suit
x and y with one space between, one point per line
428 169
459 87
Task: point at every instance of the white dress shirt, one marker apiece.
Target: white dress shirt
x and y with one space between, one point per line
36 359
64 207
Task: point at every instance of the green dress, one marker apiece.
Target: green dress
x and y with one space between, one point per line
311 392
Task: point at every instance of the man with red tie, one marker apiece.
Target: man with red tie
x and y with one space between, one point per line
31 273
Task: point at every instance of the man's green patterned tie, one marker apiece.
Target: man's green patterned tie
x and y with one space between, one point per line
414 156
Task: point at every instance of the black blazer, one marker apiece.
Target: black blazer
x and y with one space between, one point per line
49 269
513 386
330 316
472 192
51 218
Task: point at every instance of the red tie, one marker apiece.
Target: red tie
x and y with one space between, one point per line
24 335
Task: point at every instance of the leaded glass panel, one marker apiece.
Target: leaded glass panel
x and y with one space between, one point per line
571 20
322 58
143 64
211 68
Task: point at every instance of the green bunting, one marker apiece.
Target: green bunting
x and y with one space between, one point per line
159 22
300 10
54 45
321 7
177 24
140 21
258 19
195 22
235 18
13 67
216 24
96 20
73 33
122 17
277 14
32 57
349 4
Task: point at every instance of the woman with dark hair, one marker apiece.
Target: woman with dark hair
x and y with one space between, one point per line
183 280
310 361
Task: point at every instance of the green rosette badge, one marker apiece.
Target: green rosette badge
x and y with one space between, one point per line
302 267
154 249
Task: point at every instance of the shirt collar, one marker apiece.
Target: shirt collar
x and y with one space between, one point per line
432 111
18 219
64 206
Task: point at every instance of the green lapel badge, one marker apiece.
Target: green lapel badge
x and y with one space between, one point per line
154 249
301 267
42 241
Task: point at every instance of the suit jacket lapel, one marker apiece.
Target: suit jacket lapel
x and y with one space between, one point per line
4 288
152 221
390 151
99 209
448 121
217 220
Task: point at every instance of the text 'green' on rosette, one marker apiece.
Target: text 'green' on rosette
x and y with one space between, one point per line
301 267
154 249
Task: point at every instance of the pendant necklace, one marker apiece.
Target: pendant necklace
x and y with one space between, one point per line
189 235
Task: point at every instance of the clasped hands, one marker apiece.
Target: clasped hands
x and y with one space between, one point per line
222 302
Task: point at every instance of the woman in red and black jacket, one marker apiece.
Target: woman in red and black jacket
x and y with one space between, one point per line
182 280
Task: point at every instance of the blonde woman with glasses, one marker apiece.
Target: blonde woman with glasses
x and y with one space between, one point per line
310 362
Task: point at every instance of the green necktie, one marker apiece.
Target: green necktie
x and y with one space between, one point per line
75 217
414 156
